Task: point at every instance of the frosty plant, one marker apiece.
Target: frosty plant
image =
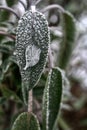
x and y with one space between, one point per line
32 53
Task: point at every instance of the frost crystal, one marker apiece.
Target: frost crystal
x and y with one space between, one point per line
32 55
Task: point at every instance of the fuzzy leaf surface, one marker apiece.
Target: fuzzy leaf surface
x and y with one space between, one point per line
26 121
31 49
52 98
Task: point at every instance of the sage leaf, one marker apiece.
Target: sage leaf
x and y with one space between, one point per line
31 49
26 121
69 36
52 98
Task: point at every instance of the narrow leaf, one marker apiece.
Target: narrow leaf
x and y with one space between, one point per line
26 121
68 41
52 98
31 49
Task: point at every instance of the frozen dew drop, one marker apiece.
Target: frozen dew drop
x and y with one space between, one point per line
32 55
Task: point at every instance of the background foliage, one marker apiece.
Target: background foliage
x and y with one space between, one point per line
64 40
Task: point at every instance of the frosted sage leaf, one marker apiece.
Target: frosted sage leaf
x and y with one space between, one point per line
26 121
31 49
68 41
52 98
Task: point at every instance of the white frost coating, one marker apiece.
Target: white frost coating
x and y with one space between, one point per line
48 111
32 55
33 8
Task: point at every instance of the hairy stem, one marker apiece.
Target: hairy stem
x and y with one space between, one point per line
10 10
53 6
30 101
32 2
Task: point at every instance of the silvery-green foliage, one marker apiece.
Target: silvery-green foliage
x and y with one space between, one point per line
26 121
31 49
62 46
66 46
52 98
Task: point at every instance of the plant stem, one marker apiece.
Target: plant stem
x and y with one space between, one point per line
10 10
30 101
53 6
32 2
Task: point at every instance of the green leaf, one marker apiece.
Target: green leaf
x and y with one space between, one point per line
52 98
68 41
31 49
26 121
